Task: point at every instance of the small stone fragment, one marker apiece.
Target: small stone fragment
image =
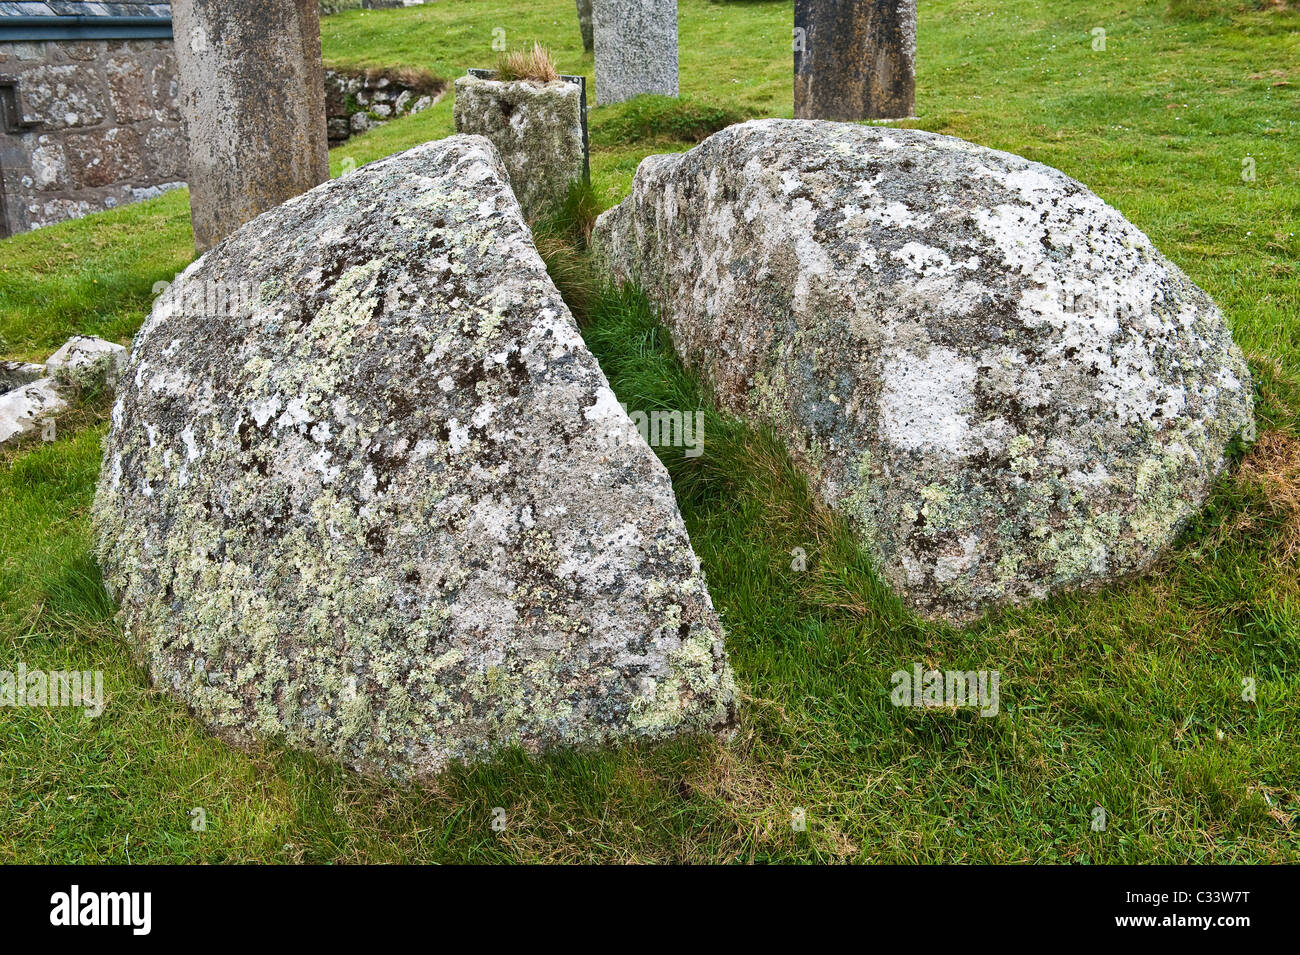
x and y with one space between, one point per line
85 361
24 409
15 374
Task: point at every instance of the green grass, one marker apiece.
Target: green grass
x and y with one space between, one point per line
1129 698
92 276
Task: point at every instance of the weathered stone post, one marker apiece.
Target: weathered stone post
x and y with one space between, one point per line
538 129
584 24
854 59
252 91
636 48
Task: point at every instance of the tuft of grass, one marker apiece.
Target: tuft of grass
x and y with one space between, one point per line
561 238
534 64
575 217
1270 474
565 265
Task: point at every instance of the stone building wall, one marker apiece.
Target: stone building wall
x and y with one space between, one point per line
105 128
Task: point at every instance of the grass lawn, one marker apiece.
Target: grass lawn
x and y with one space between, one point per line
1130 699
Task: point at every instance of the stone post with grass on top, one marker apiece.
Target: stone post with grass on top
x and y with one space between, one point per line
535 119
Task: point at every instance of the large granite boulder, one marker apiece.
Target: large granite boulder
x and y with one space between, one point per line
998 378
385 506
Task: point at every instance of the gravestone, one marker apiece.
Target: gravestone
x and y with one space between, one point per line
636 48
854 59
253 95
584 24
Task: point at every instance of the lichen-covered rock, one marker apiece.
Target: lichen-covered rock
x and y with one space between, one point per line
391 510
537 130
998 378
84 361
24 409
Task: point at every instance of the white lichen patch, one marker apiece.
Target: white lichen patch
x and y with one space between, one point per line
1006 388
926 402
374 515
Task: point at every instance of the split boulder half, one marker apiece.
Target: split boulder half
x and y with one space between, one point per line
999 380
367 492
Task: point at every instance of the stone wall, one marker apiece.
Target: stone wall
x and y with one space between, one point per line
358 101
104 128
